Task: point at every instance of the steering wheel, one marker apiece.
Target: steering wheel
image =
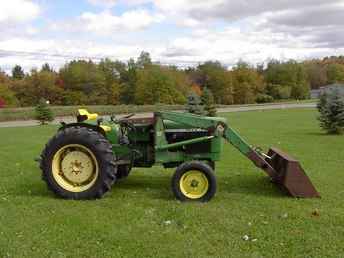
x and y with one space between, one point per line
113 118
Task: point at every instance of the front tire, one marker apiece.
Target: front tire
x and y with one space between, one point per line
123 171
78 163
194 181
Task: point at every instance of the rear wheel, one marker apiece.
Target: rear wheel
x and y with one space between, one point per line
194 181
78 163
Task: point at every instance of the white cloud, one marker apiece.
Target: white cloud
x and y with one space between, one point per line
228 46
254 31
233 10
105 23
16 17
18 11
323 25
231 45
32 53
177 6
106 3
321 22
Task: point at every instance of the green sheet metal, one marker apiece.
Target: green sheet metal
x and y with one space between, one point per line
191 120
183 143
234 138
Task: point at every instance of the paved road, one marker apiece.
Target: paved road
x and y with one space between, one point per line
266 107
220 110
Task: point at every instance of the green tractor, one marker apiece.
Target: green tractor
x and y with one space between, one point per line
84 159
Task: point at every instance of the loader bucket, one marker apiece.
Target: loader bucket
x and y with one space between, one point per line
289 174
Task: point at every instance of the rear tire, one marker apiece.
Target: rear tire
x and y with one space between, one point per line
194 181
78 163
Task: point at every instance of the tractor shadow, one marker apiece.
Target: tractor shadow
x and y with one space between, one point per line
159 187
251 185
156 187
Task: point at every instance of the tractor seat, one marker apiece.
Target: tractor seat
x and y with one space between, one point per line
85 115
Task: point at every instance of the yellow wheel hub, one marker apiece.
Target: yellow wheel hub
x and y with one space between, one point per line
194 184
75 168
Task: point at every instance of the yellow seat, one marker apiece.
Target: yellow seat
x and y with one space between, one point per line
84 112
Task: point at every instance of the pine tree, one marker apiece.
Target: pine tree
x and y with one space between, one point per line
46 67
208 102
331 109
18 73
194 104
43 112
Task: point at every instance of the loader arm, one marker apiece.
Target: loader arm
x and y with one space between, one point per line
255 155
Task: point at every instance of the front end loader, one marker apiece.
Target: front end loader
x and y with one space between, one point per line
84 159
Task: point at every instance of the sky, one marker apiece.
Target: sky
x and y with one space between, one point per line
177 32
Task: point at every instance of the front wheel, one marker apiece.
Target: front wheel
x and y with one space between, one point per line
194 181
123 171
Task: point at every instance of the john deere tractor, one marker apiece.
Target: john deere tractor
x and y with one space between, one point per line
84 159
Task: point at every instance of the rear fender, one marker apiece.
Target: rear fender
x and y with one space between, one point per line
90 126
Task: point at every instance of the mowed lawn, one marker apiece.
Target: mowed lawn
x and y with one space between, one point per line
140 218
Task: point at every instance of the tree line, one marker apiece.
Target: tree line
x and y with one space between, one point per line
140 81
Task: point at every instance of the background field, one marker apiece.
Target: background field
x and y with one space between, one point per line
140 218
26 113
10 114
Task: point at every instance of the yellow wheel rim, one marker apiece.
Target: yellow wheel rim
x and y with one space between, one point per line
194 184
75 168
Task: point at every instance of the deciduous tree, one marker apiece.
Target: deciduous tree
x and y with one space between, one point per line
248 83
156 85
7 97
335 73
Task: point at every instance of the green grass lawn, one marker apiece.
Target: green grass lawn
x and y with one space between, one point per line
140 218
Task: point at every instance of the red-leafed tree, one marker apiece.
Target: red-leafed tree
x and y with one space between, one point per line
2 103
196 89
